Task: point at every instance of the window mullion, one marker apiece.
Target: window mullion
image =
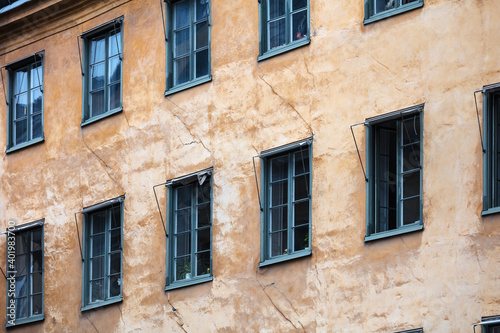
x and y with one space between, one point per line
107 252
288 21
28 104
291 200
494 152
399 171
28 278
191 42
192 257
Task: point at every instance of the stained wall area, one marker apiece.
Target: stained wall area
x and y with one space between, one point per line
443 278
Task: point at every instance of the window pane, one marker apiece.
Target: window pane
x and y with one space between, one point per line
98 220
276 33
301 238
204 215
203 240
36 75
279 243
411 184
22 245
201 34
21 286
297 4
382 5
116 239
22 307
301 159
36 126
299 25
116 220
279 193
201 9
182 268
21 131
21 81
183 197
21 268
97 48
97 102
97 76
115 41
301 213
36 305
201 63
276 8
387 219
279 218
279 168
97 265
115 263
97 245
97 290
183 220
411 157
36 283
183 245
411 210
114 285
36 100
114 96
203 263
411 129
37 261
301 187
181 12
181 42
36 240
181 70
21 105
204 192
114 73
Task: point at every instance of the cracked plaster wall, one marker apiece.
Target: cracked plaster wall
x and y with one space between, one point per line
443 279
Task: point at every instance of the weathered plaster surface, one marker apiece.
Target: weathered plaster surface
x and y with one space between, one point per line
443 279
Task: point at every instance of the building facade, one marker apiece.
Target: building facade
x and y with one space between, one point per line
250 166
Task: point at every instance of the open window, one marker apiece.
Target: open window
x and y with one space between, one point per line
286 202
189 224
394 173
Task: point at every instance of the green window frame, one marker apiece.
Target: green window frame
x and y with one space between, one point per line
103 254
102 71
394 158
491 153
189 241
25 268
284 25
25 104
188 44
376 10
286 178
418 330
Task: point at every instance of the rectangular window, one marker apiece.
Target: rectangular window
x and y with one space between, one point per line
491 155
189 245
188 46
394 172
25 266
102 71
284 25
103 251
25 117
379 9
286 200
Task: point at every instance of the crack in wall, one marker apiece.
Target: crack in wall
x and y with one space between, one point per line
91 323
286 101
274 304
121 314
187 127
104 163
382 65
178 316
